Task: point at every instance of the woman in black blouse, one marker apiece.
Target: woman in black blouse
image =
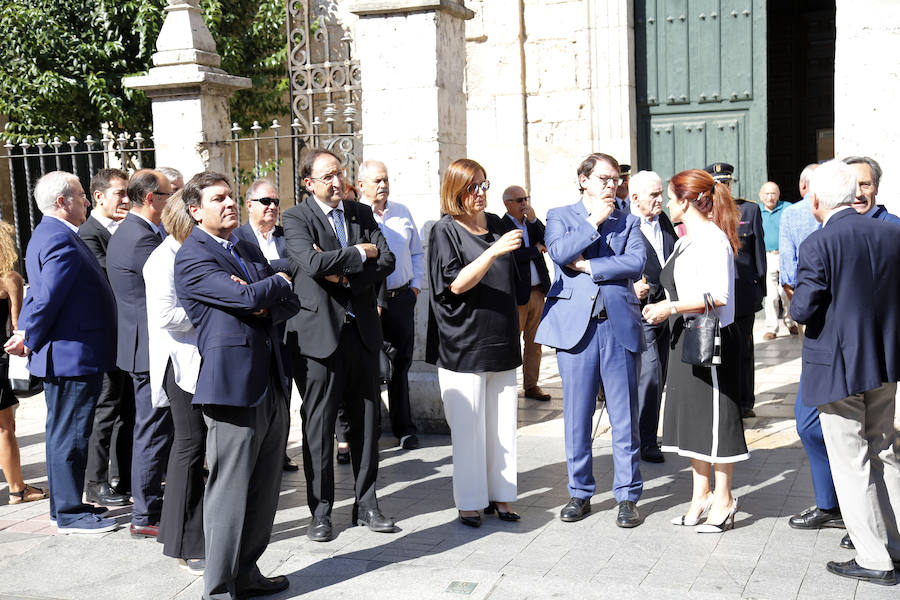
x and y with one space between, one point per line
473 338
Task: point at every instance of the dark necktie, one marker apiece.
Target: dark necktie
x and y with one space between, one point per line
230 247
337 216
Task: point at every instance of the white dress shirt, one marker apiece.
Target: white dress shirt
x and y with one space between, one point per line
399 229
171 334
266 244
67 224
326 210
107 223
652 231
706 265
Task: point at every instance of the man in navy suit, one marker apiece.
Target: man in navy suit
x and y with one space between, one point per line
532 282
659 238
68 327
262 229
235 300
848 296
109 451
130 246
592 317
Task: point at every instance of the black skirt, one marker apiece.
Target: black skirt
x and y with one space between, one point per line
702 419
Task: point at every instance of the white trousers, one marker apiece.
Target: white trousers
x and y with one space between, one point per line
774 293
481 409
864 452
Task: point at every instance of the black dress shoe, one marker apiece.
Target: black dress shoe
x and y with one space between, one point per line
343 458
628 515
144 531
854 571
319 529
473 521
290 465
816 518
503 516
102 493
264 587
847 543
575 510
409 442
652 454
376 521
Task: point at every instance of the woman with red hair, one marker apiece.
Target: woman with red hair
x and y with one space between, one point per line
702 419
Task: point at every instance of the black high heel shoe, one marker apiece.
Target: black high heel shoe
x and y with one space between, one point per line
503 516
473 521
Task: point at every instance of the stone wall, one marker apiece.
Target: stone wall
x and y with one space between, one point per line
866 85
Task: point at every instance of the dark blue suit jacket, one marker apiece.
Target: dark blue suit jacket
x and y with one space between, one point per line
128 250
848 295
245 232
237 347
69 314
617 257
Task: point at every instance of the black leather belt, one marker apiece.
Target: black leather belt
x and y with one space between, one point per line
602 316
397 291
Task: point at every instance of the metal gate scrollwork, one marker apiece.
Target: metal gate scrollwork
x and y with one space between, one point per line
324 81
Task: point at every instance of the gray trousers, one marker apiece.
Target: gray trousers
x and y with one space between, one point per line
864 451
244 451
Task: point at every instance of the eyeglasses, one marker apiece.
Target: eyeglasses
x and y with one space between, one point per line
266 201
520 200
329 178
166 194
483 186
605 181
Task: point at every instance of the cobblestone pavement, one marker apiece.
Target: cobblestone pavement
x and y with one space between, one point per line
435 557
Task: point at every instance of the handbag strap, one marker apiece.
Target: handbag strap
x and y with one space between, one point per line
710 305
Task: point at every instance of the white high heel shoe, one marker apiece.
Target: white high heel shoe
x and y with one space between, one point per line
726 524
682 521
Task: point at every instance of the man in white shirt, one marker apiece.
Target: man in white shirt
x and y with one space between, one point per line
397 304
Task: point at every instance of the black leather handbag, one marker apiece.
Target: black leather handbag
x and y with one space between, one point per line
702 338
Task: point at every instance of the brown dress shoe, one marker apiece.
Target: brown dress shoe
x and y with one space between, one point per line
537 393
793 330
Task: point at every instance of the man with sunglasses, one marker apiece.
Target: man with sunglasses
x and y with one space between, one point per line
136 237
532 283
262 229
592 317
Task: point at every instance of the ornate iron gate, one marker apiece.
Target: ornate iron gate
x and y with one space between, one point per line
324 82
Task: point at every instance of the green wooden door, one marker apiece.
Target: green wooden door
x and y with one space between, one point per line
701 87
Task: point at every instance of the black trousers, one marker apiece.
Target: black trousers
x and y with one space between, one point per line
150 453
743 349
398 325
348 376
181 524
654 366
109 448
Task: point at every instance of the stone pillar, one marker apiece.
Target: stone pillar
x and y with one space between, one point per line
412 60
189 94
866 86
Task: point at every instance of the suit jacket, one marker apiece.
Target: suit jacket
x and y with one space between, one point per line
96 236
652 268
315 330
69 314
128 250
527 256
237 347
848 295
750 261
245 232
617 257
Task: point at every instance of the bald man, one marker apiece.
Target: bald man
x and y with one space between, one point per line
532 284
772 207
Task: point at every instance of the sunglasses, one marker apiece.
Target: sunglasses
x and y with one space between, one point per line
474 187
520 200
267 201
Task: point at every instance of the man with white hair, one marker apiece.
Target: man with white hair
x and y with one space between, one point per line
848 296
66 321
659 238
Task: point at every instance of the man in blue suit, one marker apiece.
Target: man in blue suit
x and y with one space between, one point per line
235 300
592 317
848 296
136 237
68 327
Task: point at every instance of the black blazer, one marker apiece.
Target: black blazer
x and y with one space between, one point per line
316 329
128 250
750 261
245 232
652 267
96 237
526 256
848 296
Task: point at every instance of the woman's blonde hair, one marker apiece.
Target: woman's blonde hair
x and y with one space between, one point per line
8 253
457 179
176 219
